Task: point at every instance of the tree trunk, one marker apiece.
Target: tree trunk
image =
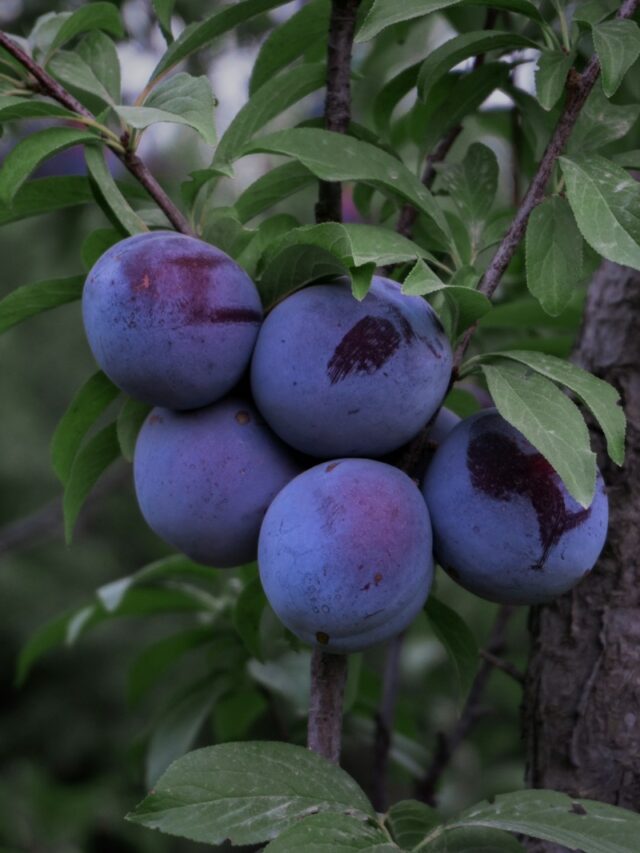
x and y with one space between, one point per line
582 698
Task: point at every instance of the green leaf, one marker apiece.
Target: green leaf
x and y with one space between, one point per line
549 420
247 793
100 55
472 184
628 159
361 280
384 13
275 96
593 11
458 640
200 34
236 713
289 41
409 822
600 122
269 189
112 595
475 840
164 11
467 304
553 254
130 419
12 108
336 157
30 152
89 403
337 833
551 76
178 727
461 47
247 615
462 402
32 299
97 243
421 280
69 627
391 94
286 676
293 268
617 44
75 72
152 664
182 99
577 824
602 399
94 16
606 204
89 464
111 195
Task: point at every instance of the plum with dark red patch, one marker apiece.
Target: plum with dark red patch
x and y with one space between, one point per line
505 526
337 377
205 478
170 319
345 554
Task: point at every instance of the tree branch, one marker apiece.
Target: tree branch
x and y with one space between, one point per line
329 672
328 678
471 713
337 110
46 85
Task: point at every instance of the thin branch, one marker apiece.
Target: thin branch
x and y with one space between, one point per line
337 110
328 679
329 672
384 722
579 87
472 711
46 85
503 665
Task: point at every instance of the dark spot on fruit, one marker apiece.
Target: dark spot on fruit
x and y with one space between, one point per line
405 326
203 313
377 578
353 411
500 469
331 467
155 419
322 638
364 349
196 263
243 417
366 587
434 351
577 808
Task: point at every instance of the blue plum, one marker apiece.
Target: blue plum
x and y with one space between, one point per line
170 319
504 525
345 554
337 377
205 478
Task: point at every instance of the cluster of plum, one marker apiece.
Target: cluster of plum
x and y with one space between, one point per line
227 467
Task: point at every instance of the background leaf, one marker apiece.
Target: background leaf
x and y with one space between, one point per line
409 822
551 76
338 833
32 299
94 16
617 44
458 640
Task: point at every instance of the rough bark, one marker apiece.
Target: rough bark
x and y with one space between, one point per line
582 696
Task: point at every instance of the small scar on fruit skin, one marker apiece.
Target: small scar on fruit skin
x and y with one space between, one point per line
331 467
322 638
375 613
145 283
377 578
576 808
243 418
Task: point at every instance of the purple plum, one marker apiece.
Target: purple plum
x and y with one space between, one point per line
337 377
170 319
205 478
505 526
345 554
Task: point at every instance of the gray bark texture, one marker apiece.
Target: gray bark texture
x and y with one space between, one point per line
581 711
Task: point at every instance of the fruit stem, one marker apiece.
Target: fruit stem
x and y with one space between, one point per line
328 679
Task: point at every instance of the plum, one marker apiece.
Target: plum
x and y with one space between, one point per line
336 377
205 478
505 526
345 554
170 319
